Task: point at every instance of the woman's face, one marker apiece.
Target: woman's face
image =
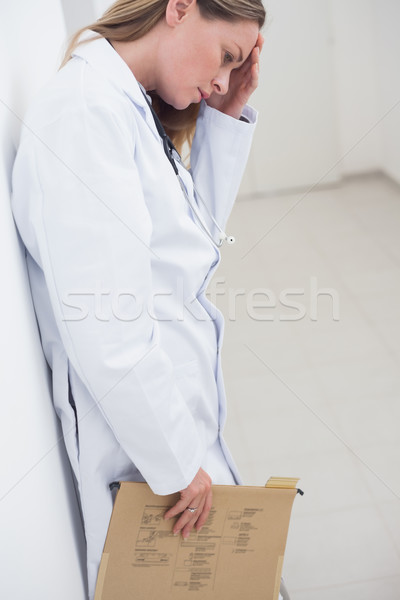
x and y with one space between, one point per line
198 56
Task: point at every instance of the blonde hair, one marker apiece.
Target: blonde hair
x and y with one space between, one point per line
129 20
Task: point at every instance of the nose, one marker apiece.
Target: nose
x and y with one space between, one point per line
220 83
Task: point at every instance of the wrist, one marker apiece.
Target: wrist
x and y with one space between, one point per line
234 113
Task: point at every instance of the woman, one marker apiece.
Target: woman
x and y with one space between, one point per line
122 241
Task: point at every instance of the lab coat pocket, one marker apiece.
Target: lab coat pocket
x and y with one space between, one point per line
188 382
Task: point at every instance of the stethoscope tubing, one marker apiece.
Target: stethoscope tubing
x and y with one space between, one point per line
170 152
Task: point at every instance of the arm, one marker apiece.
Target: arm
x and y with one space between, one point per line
83 201
220 150
222 142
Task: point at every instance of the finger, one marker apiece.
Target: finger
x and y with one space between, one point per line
255 71
176 509
256 54
260 42
188 529
241 73
206 511
194 495
188 518
201 518
190 525
187 498
253 58
245 64
250 75
244 69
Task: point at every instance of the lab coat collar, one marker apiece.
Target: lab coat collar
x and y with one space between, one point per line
99 53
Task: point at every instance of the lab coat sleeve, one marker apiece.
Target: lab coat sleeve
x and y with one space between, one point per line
79 205
220 150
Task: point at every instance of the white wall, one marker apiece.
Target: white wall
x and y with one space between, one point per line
100 6
367 83
77 14
296 140
356 67
330 73
387 28
41 553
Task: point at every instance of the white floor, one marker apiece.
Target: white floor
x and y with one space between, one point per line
318 397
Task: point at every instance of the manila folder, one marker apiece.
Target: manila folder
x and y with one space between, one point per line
237 554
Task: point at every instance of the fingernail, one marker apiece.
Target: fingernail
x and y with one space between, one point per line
175 533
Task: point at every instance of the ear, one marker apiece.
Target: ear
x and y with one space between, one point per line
177 11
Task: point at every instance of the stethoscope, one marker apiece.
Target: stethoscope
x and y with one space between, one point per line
173 156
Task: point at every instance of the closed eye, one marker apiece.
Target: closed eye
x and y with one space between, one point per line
228 58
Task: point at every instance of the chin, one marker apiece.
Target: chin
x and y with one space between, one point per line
179 103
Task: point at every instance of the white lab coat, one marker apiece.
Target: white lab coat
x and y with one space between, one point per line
118 267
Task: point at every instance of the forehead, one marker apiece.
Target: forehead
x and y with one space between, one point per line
242 32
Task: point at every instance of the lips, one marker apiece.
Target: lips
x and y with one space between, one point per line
204 95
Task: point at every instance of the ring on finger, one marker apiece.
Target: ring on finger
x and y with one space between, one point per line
192 509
